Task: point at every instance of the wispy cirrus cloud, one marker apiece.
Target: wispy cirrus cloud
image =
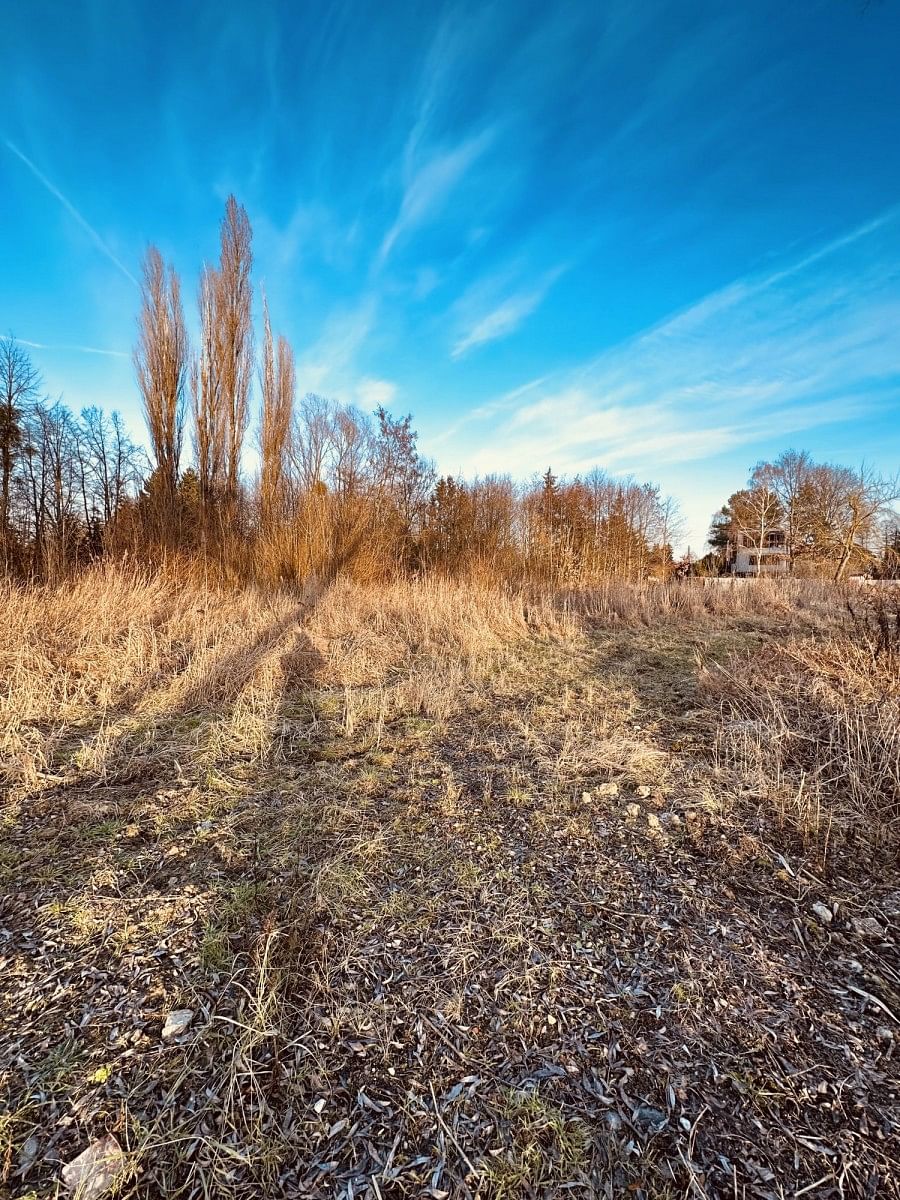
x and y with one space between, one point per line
65 348
429 184
331 364
770 356
505 318
440 150
73 212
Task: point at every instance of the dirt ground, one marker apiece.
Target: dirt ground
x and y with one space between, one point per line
530 937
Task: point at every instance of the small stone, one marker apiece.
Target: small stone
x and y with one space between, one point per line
96 1170
644 792
632 811
29 1152
884 1034
177 1023
319 1107
586 797
653 822
608 789
823 912
868 927
650 1119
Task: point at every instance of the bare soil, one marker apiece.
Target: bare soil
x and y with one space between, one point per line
536 942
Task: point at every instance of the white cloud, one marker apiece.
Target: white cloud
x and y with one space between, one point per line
503 318
426 280
311 230
334 364
375 393
757 362
428 186
329 364
75 349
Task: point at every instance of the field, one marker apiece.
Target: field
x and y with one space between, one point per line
460 892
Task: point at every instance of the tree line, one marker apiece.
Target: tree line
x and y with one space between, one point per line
835 520
338 490
66 481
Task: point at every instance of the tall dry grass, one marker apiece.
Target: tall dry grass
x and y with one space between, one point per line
103 673
812 725
113 644
94 668
651 601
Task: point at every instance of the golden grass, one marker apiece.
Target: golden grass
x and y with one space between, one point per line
97 664
102 670
811 725
696 599
106 671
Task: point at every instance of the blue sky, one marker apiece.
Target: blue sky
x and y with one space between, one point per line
661 237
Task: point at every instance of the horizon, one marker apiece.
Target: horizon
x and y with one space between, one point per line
666 243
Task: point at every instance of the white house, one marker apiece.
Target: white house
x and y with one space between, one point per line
747 558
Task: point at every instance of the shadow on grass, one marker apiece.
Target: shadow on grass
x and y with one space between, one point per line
143 782
444 937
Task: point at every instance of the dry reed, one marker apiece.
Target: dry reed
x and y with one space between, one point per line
812 724
91 665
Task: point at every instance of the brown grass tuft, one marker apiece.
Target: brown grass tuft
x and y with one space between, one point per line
813 724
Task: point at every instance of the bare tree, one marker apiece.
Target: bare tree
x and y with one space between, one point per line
788 477
352 439
278 384
403 478
53 461
19 383
865 499
234 330
160 362
750 515
314 444
221 372
209 425
111 464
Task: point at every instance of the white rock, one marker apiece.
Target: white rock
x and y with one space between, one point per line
608 789
95 1171
632 811
823 912
319 1106
586 797
177 1023
653 821
644 792
868 927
